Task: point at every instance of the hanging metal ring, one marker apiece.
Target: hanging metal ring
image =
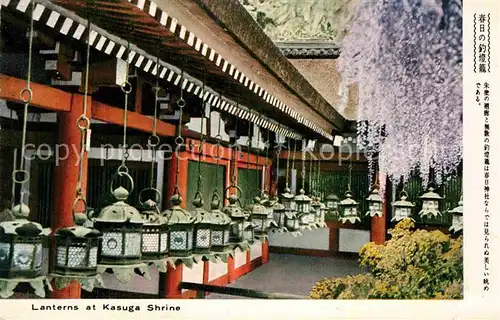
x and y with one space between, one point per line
177 191
30 95
122 169
403 193
157 199
83 123
153 140
181 103
238 189
126 87
127 175
25 178
77 200
216 197
179 140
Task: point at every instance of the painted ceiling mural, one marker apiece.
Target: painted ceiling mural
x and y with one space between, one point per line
302 20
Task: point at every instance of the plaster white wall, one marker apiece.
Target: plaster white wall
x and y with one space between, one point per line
216 270
194 274
137 284
351 240
317 239
240 258
256 250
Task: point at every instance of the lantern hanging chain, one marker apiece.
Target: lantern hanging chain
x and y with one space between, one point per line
318 177
235 154
303 165
179 140
217 155
27 90
258 157
202 137
294 153
126 88
350 175
287 165
83 122
278 153
154 140
310 176
267 145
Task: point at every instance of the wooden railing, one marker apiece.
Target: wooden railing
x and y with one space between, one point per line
240 292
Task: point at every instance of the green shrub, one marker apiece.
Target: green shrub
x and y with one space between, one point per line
411 265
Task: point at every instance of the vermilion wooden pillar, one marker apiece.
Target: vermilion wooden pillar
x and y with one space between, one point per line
173 277
265 251
66 177
378 224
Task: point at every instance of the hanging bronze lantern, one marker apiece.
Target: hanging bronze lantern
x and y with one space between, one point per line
320 216
77 247
430 203
457 223
203 225
374 201
155 230
303 203
21 245
315 211
349 209
290 218
258 217
221 226
180 228
238 217
249 231
121 226
332 204
402 209
279 216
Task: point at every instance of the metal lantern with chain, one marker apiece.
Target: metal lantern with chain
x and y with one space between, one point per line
277 223
180 228
430 203
457 223
120 223
155 229
202 226
221 222
288 198
237 215
257 211
374 201
179 221
320 213
21 245
348 206
121 227
302 200
265 200
202 218
332 204
402 209
77 246
21 239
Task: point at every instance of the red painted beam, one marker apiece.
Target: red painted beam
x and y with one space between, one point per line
43 96
106 113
